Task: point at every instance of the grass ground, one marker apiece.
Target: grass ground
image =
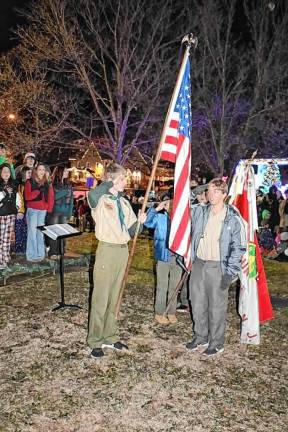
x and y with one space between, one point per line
49 382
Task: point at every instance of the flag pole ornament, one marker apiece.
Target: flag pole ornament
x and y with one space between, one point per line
191 40
176 148
254 301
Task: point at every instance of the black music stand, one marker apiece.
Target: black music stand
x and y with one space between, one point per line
59 232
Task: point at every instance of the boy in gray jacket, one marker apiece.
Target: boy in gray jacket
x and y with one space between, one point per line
217 246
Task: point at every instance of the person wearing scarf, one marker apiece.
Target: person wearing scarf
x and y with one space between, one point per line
115 224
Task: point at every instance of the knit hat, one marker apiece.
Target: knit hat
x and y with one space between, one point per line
29 154
198 190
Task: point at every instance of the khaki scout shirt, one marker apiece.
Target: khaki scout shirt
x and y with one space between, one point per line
208 249
107 223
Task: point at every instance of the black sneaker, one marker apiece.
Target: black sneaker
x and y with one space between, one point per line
118 346
182 308
211 352
194 345
97 353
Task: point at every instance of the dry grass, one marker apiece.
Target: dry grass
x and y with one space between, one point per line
49 383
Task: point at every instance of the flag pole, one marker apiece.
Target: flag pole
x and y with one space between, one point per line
178 288
190 40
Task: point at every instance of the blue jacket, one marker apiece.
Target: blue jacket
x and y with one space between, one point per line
232 241
161 224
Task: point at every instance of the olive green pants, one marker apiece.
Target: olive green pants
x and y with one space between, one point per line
109 269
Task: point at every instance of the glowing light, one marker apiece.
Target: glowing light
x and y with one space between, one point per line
11 117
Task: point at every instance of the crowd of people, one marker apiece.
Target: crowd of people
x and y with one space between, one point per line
31 196
272 211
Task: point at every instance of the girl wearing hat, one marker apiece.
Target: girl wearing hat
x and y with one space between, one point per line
168 271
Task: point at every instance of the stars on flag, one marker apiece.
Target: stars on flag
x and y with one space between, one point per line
183 107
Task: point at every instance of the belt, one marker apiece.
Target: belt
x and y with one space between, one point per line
207 261
112 245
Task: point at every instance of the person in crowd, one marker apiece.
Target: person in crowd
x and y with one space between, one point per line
21 223
8 212
271 203
28 162
135 205
168 271
63 204
85 217
200 194
266 238
193 181
115 223
217 246
78 203
283 211
5 159
39 198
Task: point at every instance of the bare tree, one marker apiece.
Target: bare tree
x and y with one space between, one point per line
116 55
31 117
238 78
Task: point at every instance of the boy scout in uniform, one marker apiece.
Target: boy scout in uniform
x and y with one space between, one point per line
115 223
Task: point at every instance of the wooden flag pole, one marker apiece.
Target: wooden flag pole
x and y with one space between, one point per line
182 281
190 40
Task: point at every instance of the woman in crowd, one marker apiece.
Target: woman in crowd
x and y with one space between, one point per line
63 203
271 203
21 224
39 197
8 212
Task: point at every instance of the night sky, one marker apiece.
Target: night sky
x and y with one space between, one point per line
8 21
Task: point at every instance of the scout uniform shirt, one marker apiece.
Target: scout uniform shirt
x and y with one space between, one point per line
208 249
113 216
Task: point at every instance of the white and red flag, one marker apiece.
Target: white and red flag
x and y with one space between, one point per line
176 148
254 301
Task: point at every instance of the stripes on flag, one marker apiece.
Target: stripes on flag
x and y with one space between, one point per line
176 148
169 147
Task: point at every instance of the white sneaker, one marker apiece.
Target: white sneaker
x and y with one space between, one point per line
118 346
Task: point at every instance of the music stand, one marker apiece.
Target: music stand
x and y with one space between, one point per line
59 232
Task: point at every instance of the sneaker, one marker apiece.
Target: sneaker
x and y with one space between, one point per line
161 319
172 319
194 345
210 352
118 346
97 353
182 308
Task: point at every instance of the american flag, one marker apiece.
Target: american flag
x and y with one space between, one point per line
176 148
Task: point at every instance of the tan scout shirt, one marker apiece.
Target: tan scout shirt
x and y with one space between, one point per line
208 249
107 223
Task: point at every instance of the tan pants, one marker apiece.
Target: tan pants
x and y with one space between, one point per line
168 277
109 269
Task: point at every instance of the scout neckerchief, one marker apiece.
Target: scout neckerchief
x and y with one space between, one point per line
120 210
